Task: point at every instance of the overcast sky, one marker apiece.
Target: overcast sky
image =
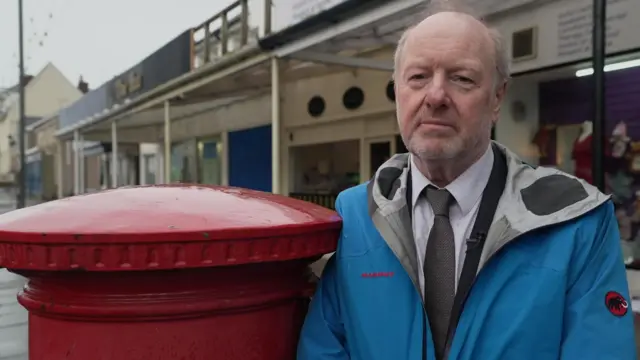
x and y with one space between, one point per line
99 39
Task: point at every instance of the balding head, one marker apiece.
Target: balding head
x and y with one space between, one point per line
443 15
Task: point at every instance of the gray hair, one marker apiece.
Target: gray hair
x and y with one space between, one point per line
501 56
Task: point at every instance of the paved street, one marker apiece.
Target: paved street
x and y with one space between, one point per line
7 201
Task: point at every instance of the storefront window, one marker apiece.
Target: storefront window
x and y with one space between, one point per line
209 161
326 168
564 140
183 162
150 168
127 170
34 179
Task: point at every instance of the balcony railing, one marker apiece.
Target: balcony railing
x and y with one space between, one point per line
326 200
223 33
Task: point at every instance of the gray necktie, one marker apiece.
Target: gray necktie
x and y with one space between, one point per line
439 268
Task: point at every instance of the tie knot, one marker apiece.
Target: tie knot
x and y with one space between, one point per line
440 200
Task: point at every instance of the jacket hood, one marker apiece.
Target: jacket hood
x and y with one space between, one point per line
533 198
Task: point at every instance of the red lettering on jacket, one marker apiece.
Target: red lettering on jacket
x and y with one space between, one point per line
377 274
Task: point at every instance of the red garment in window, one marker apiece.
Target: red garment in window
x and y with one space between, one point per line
582 156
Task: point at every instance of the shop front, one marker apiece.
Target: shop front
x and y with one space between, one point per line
548 121
183 162
210 156
320 171
195 161
33 176
127 160
338 130
565 140
547 117
44 157
250 158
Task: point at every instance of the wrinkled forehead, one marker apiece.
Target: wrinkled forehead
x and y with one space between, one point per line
453 37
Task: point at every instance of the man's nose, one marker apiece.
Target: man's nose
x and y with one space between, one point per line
435 95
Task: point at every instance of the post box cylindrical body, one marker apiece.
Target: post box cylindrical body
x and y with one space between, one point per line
166 272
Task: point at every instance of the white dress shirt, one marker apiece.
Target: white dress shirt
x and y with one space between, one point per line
467 190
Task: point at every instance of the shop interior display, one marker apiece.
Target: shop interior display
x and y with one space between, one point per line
582 152
545 140
622 177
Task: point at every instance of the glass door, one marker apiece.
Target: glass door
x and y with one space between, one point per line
209 161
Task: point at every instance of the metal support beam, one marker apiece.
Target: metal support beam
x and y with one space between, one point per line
224 138
59 158
599 55
167 142
275 125
356 62
114 155
76 162
81 162
379 13
137 134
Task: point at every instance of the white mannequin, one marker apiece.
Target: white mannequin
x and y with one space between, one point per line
587 129
620 140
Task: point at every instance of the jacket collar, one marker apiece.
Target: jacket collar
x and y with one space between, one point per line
530 201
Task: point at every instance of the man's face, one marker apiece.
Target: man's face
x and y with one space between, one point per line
446 93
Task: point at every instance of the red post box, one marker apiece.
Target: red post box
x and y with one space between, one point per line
166 272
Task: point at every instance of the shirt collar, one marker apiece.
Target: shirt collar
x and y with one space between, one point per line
466 188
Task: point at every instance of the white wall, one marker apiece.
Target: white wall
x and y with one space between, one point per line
517 133
374 118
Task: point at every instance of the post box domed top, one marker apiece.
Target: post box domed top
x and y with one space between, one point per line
165 226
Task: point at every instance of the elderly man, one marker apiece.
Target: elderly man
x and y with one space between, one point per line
459 250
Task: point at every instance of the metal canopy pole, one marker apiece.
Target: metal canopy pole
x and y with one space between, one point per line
167 142
275 125
82 164
76 162
22 174
115 163
599 110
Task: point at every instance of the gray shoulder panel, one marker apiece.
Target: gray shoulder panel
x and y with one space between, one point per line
388 181
371 204
552 193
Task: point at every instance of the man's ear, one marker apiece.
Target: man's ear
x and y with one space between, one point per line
498 97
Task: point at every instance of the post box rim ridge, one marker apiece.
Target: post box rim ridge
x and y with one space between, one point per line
280 229
118 296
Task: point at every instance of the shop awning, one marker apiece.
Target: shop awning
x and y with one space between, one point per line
323 48
343 38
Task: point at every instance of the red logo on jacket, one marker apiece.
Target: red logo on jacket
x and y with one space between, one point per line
616 303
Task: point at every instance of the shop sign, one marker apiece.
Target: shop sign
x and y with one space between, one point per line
288 13
564 31
127 84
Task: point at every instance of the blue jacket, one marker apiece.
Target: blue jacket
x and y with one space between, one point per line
551 283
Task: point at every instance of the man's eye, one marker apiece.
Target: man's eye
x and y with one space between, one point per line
462 79
417 77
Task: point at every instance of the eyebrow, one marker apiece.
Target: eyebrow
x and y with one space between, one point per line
464 65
